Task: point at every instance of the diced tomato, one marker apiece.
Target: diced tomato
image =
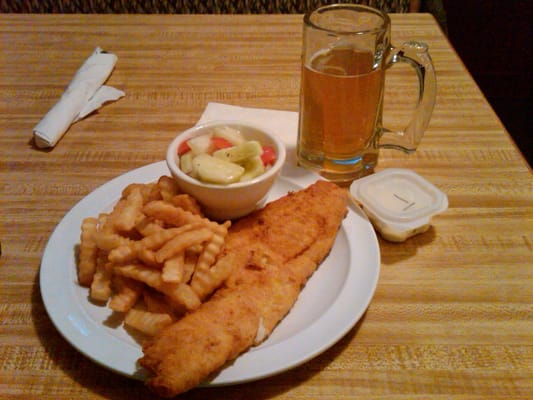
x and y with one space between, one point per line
183 148
269 155
220 142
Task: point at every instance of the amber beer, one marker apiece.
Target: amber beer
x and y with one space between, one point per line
346 49
340 111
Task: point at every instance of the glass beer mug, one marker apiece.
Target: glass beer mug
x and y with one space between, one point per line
346 51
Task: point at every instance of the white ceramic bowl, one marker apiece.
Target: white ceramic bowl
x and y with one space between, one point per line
221 202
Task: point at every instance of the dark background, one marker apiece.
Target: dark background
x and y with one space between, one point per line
492 38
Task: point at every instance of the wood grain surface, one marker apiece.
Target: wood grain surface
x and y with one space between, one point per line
452 317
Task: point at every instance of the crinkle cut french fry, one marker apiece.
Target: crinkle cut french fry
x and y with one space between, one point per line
127 218
128 292
179 243
172 215
149 191
101 285
148 226
108 221
187 202
147 322
147 257
182 294
205 281
178 292
110 240
168 187
157 239
123 254
130 188
189 265
174 269
140 249
139 272
196 249
102 221
88 252
213 247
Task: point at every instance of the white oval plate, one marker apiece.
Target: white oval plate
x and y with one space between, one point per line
331 303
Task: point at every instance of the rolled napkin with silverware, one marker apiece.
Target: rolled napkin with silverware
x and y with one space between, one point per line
84 94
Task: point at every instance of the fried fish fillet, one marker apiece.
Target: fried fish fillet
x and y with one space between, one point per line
274 251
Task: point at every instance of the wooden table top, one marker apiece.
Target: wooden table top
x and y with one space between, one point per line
452 314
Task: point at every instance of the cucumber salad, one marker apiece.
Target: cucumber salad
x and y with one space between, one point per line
224 156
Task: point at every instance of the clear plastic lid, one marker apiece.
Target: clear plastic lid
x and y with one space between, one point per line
399 198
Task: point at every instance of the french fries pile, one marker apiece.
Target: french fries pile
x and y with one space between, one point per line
153 257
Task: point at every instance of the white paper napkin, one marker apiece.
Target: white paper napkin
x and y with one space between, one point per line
83 95
284 124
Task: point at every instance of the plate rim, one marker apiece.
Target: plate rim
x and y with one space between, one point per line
92 330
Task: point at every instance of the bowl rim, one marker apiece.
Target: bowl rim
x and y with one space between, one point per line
272 171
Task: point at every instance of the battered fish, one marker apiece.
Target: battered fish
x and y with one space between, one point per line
274 251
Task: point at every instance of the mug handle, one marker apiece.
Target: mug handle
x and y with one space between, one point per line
415 54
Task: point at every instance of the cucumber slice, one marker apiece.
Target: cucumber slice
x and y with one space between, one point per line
240 153
216 170
186 162
230 134
253 167
201 144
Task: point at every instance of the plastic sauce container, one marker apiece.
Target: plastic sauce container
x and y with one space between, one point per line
398 202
